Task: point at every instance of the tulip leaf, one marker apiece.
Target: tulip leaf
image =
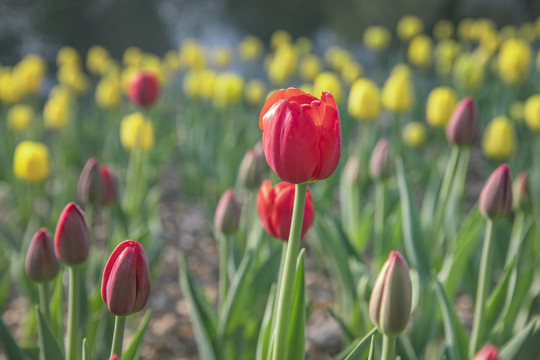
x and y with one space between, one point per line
524 345
57 310
453 329
405 347
11 348
85 352
343 326
497 298
50 350
265 335
357 349
371 354
202 315
133 349
296 334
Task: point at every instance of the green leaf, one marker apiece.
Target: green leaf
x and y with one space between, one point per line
342 324
296 334
497 298
57 309
50 350
524 345
202 315
133 349
85 352
371 354
265 335
453 329
356 349
11 348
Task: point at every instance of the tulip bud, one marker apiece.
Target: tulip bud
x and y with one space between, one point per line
125 286
488 352
495 199
41 263
381 164
253 168
71 240
227 217
89 187
114 357
143 88
390 301
110 187
463 126
522 193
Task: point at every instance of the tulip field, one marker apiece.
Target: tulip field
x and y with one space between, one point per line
263 200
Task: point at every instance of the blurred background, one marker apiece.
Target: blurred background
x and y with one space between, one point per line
156 26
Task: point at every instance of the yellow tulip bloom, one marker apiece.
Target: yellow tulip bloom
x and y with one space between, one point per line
309 66
31 161
514 60
228 89
499 141
250 48
467 72
192 55
282 64
108 92
97 60
441 103
413 134
408 27
443 29
420 51
56 113
377 38
10 92
337 57
132 56
397 92
136 130
364 100
352 71
68 56
279 38
328 81
516 111
222 57
19 117
446 52
29 74
255 92
531 112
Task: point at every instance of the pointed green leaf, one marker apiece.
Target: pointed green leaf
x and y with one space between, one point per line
296 334
497 298
355 350
524 345
57 309
85 352
265 334
133 349
371 354
50 350
341 322
11 348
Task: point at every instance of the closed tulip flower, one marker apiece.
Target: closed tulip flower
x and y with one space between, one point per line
228 89
301 135
381 163
499 141
463 126
109 185
532 112
9 91
143 88
41 263
30 73
495 199
441 103
446 52
275 207
253 168
227 217
420 51
71 239
414 134
397 92
408 27
108 92
377 38
467 72
125 286
364 100
309 66
136 130
56 112
97 60
90 187
250 48
255 92
328 81
31 161
19 117
282 64
514 60
192 55
352 71
488 352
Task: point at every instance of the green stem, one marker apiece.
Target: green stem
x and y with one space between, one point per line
287 277
72 347
482 288
388 347
43 288
444 193
223 268
118 337
379 245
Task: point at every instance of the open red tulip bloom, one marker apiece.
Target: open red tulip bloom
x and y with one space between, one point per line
301 135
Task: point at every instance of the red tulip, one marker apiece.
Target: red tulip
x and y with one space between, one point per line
495 199
488 352
463 126
89 187
227 217
275 207
143 88
41 263
301 135
110 188
125 286
71 240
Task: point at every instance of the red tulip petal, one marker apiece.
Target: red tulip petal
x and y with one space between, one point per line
290 94
121 293
143 278
109 266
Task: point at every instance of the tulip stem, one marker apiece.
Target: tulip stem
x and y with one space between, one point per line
482 288
43 288
223 268
388 347
72 349
286 280
444 193
118 337
379 247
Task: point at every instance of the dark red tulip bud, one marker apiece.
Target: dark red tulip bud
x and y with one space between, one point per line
143 88
71 240
110 186
381 164
89 187
522 193
462 128
496 196
227 217
41 263
253 168
488 352
114 357
125 286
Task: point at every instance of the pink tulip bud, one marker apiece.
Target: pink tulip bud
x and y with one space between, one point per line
110 187
227 217
381 164
390 301
89 187
143 88
522 193
114 357
125 286
71 240
253 168
496 196
488 352
462 128
41 263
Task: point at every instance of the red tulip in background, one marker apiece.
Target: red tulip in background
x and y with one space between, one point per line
41 263
90 187
143 88
125 286
301 135
71 239
275 207
488 352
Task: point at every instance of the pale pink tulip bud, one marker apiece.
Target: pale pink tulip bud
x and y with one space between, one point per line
41 263
488 352
227 217
381 163
462 128
495 199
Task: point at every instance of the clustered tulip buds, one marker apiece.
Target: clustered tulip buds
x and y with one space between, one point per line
391 297
41 263
381 163
227 217
301 135
275 208
125 286
143 88
89 187
495 199
71 240
488 352
463 126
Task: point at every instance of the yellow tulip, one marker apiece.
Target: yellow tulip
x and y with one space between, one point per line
255 92
337 57
480 27
499 141
420 51
250 48
441 103
516 111
132 56
377 38
67 55
136 130
31 161
30 73
97 60
397 92
514 60
489 41
464 29
309 66
446 52
413 134
72 76
279 38
531 112
19 117
443 29
467 72
282 64
199 84
352 71
303 45
108 92
364 100
9 91
228 89
56 112
408 27
192 55
328 81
